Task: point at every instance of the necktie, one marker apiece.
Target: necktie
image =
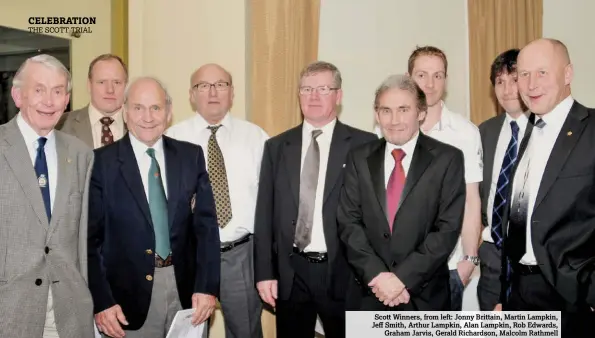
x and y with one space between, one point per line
158 207
308 185
41 170
394 188
106 134
502 186
218 178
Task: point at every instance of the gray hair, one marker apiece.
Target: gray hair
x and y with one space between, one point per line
168 100
402 82
322 66
46 60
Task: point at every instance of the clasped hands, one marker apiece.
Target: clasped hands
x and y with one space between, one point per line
389 289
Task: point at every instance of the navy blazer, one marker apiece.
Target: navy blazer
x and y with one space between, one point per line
121 237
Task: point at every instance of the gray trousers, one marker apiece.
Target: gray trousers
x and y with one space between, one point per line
488 287
240 303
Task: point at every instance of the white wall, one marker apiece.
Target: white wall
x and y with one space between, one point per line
193 32
369 40
572 23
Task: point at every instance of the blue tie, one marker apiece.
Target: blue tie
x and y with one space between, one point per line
41 170
503 185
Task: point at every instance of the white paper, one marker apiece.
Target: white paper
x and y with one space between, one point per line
182 326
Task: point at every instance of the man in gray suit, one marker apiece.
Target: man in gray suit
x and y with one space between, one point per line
100 122
43 203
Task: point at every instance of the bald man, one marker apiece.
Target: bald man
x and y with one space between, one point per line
549 248
233 152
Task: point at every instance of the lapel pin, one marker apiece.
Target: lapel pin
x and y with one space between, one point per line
569 133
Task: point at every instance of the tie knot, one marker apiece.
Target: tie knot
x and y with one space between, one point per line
514 127
41 142
316 133
214 129
398 155
540 123
106 121
151 153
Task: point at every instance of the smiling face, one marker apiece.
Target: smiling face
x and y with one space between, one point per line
147 114
398 115
507 93
429 72
42 96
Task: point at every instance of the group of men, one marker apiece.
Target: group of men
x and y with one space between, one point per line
321 219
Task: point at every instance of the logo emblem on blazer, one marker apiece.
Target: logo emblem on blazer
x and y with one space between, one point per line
569 133
43 181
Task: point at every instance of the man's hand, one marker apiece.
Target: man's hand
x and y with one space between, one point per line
108 321
268 291
403 298
498 307
386 286
465 269
203 306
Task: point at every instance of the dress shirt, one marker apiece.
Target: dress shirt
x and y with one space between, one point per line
144 161
318 241
117 127
501 146
535 160
389 160
242 145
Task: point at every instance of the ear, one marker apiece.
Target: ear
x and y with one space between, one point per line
421 116
377 118
170 114
568 74
66 99
125 114
339 96
16 94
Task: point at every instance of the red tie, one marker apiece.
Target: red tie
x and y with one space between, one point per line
396 182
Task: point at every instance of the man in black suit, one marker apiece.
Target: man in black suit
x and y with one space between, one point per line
401 208
500 138
551 223
300 268
153 233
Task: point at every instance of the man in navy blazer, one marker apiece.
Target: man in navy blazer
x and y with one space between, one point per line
153 233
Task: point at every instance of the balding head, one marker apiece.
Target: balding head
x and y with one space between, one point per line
544 74
211 92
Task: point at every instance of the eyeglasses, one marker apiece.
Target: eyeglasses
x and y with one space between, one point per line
205 86
322 90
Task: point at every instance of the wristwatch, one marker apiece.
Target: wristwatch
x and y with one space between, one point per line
472 259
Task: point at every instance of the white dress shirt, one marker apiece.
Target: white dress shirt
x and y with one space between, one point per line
143 161
117 127
51 156
389 160
501 146
535 160
318 241
242 145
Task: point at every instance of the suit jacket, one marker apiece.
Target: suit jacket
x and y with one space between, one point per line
36 257
277 208
563 219
78 123
121 236
426 227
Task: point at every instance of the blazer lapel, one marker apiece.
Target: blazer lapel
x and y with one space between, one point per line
491 143
293 159
18 158
65 174
173 176
569 134
82 127
419 163
131 174
376 168
337 154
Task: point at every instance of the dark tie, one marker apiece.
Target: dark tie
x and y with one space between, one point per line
308 185
106 134
43 179
394 188
503 185
158 207
218 178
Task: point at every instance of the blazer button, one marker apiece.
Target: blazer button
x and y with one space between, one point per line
149 278
293 222
386 235
38 282
149 251
47 250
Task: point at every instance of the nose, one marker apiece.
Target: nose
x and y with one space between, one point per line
47 99
508 89
110 88
212 91
532 82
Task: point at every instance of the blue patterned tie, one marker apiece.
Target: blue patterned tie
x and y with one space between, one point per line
41 170
502 186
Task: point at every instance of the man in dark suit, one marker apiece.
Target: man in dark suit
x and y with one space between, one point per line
300 268
401 207
153 233
500 139
101 121
551 227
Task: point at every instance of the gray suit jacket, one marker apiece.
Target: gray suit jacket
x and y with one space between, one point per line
77 123
36 257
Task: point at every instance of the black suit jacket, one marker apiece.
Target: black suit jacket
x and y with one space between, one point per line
563 219
426 227
121 236
277 207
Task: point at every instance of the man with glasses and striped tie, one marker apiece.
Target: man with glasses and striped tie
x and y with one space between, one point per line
153 234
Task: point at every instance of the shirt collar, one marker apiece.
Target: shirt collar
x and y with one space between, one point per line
141 148
30 135
95 115
558 115
521 121
226 123
408 147
445 119
326 129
